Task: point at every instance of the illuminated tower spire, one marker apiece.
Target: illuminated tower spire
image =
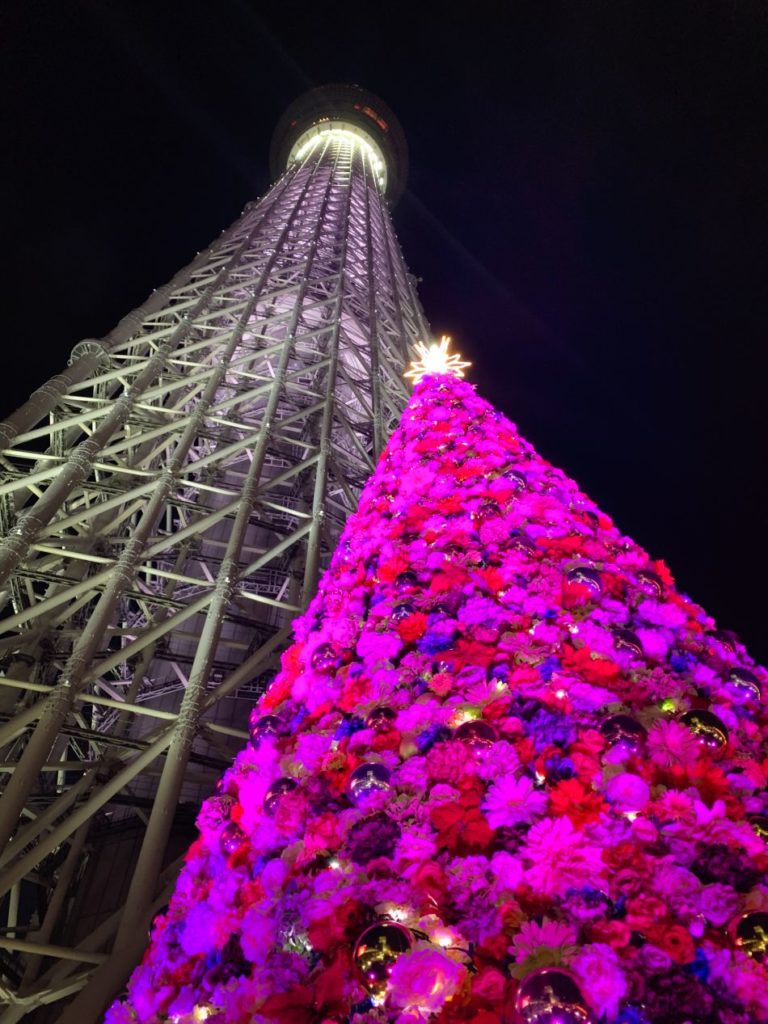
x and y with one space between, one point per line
168 501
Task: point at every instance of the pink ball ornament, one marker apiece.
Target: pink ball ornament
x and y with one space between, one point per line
407 582
402 611
325 659
627 641
261 727
477 734
551 995
367 779
624 734
650 583
742 685
277 790
586 577
381 719
232 839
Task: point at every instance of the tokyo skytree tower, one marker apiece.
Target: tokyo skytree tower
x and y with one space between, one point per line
166 505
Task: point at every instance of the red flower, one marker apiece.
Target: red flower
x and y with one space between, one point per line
389 570
432 881
413 627
590 666
329 986
328 933
676 943
644 912
581 803
461 830
292 1007
612 933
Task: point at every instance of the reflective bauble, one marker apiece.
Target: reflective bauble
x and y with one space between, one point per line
232 839
650 583
367 779
381 719
624 731
551 996
375 954
626 640
706 727
522 543
278 789
325 659
261 727
752 935
726 637
477 734
406 582
487 509
759 823
742 685
586 577
402 611
518 479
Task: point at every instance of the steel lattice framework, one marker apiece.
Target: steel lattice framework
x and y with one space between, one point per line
167 503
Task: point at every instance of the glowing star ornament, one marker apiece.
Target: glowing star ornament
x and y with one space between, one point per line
436 358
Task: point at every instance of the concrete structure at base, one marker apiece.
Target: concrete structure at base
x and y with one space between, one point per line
167 503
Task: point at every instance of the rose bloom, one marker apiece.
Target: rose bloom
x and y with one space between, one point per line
643 912
602 979
424 979
488 985
677 943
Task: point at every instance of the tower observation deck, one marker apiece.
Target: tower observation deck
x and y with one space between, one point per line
167 502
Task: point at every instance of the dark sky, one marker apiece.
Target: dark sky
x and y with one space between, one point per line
587 209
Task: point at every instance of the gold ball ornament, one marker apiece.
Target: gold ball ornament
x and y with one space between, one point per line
551 995
752 935
375 954
759 823
742 685
706 727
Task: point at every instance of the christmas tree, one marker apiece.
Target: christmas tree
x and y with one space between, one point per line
507 773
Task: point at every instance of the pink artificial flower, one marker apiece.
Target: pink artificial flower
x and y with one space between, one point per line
424 979
532 936
376 647
602 980
671 744
654 642
561 858
628 793
719 903
659 613
258 935
507 872
511 800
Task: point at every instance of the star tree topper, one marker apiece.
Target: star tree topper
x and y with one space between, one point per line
436 358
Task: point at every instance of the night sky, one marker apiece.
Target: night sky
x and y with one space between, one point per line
587 210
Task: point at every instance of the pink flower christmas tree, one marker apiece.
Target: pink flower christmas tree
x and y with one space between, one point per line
507 773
